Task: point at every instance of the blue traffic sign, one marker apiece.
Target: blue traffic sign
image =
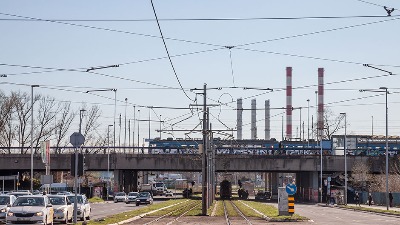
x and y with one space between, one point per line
291 189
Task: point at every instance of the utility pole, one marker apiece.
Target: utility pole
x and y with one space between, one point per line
204 156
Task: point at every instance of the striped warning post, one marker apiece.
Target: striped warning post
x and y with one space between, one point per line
291 204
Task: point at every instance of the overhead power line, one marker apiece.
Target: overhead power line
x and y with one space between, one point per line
200 19
166 49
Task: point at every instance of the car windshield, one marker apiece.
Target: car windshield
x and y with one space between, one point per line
4 200
71 198
132 194
144 194
159 184
29 201
57 200
120 194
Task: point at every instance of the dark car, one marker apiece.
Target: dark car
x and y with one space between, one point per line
144 198
263 196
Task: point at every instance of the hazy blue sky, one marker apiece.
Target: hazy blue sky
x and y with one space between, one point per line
145 76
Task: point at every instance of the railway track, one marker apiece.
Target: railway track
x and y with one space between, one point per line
234 219
172 216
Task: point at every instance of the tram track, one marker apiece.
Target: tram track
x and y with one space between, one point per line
232 219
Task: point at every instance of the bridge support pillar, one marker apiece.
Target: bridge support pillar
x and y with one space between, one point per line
126 180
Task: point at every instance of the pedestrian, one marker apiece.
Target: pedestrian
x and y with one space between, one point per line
369 199
391 199
357 199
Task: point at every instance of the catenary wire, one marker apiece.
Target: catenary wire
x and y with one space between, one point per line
166 49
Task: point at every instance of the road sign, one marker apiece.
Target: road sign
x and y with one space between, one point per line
291 189
76 139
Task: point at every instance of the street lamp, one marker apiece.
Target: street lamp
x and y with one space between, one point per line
385 90
308 122
115 104
108 160
32 86
138 133
345 157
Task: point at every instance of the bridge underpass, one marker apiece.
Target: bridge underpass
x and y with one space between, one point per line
126 166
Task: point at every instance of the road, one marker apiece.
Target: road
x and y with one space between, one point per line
316 214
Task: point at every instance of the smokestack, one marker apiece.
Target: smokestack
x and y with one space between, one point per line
320 102
239 122
288 103
267 121
253 120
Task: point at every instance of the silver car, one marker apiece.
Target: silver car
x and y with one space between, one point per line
84 208
28 209
120 197
131 197
63 209
5 202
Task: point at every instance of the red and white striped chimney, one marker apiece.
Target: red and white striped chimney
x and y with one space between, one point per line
288 103
320 102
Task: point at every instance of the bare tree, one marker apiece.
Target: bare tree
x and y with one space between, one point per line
361 177
91 125
332 124
45 115
7 126
23 108
63 125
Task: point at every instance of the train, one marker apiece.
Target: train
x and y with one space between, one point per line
225 189
356 145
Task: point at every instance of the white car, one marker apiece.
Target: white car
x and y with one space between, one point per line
5 202
131 197
119 197
63 209
31 209
83 206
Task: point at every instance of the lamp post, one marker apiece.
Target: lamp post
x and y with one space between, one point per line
115 105
308 122
345 157
32 86
126 104
385 90
138 128
108 160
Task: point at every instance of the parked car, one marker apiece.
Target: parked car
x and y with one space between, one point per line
31 209
84 208
19 193
169 194
120 197
63 209
131 197
263 196
144 198
5 202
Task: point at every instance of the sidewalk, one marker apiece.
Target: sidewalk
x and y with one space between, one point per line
381 207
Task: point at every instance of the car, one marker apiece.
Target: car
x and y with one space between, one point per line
63 209
19 193
64 193
5 202
131 197
84 208
263 196
169 194
119 197
30 209
144 198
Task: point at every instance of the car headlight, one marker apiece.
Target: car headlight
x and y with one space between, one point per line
10 213
39 214
3 210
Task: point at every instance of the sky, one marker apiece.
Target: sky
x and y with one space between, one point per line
252 51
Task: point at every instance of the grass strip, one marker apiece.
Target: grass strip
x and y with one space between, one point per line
129 214
272 212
